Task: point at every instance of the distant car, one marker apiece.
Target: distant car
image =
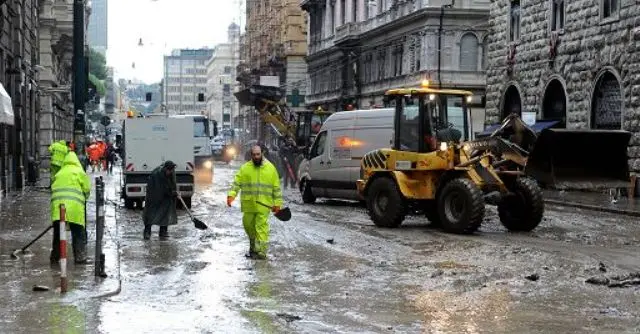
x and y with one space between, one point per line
217 145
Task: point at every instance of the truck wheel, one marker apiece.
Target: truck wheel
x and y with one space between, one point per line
307 194
385 203
461 206
522 211
129 203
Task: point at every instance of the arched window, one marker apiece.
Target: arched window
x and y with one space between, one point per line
469 52
512 102
606 103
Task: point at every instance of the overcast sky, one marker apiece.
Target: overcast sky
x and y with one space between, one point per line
163 25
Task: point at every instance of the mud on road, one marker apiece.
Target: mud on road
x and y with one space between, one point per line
331 270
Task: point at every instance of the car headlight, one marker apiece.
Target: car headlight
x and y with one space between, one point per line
207 164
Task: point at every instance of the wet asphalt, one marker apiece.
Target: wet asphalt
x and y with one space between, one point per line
330 270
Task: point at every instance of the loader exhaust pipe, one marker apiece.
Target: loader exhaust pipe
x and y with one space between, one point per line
580 159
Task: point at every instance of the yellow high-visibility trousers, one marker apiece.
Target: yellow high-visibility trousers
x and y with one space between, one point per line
256 225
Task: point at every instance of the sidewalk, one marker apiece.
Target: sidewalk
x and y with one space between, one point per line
600 202
24 215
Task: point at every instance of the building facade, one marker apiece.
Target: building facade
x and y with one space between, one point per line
222 106
55 114
275 45
572 62
358 49
185 81
97 34
18 75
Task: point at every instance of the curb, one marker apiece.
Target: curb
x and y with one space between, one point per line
624 212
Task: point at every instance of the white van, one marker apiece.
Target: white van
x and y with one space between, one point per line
332 165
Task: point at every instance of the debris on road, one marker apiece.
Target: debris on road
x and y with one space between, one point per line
618 281
331 241
40 288
289 317
533 277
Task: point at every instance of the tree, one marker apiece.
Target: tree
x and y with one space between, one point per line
97 64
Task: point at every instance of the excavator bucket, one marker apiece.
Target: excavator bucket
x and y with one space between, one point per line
580 159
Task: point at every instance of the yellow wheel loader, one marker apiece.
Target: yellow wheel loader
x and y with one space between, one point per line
434 167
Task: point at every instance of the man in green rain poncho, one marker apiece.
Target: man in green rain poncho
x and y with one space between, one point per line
160 202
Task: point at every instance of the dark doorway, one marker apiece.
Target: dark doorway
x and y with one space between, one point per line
512 102
554 103
606 104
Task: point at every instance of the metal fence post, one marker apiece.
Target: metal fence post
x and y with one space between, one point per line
63 250
99 256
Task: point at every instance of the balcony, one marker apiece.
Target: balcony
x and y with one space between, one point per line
347 32
321 45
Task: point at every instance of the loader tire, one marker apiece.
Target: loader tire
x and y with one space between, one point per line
523 210
461 206
385 203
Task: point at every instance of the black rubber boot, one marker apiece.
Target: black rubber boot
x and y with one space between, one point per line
164 232
147 232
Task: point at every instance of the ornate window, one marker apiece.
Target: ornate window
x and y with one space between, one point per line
469 52
557 15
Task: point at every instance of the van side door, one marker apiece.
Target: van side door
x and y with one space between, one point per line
341 165
318 164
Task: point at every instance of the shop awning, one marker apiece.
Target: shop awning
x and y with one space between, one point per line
6 108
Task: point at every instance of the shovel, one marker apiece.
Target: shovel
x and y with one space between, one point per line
199 224
282 215
15 253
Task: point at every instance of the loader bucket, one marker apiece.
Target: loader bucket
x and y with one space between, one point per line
580 159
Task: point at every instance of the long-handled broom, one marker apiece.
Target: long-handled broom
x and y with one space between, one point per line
15 253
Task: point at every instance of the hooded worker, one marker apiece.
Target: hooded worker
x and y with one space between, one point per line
258 183
58 151
71 187
160 201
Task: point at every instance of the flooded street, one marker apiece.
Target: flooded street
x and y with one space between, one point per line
329 270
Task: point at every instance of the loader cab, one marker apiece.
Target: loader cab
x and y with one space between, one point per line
425 118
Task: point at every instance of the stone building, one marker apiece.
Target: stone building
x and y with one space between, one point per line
575 62
275 45
359 49
18 60
222 106
55 116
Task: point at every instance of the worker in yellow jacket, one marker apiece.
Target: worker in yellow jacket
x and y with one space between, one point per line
258 183
58 151
71 187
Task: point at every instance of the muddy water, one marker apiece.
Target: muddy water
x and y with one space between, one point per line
330 270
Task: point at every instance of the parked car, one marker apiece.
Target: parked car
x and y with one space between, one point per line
332 165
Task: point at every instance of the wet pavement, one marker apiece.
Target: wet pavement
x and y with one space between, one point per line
330 270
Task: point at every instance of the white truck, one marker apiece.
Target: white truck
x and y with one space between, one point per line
148 143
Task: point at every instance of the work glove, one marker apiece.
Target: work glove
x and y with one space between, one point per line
230 200
275 209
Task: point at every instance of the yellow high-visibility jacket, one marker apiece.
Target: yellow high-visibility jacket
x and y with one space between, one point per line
58 152
71 187
257 184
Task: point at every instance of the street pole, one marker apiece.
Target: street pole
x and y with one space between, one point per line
79 76
440 41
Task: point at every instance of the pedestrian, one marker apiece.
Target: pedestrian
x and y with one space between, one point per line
258 183
111 158
58 151
160 201
71 187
